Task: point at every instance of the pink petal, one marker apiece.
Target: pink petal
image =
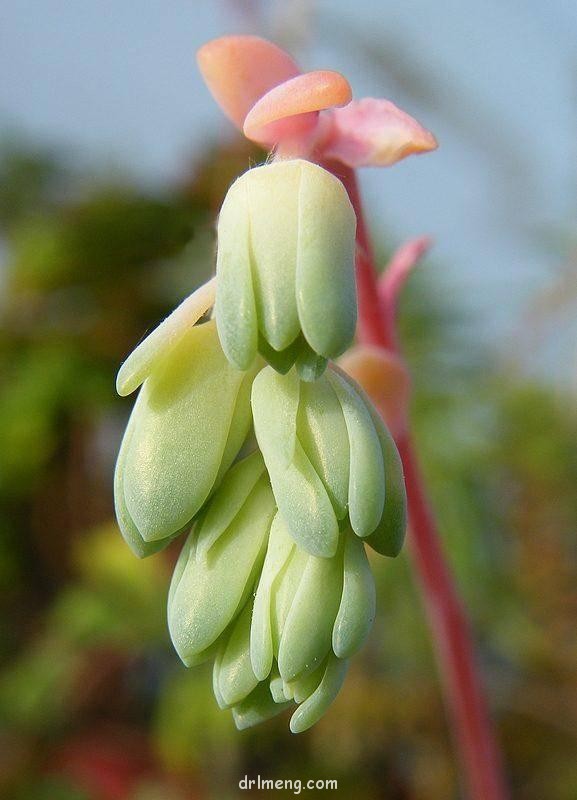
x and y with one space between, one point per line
290 109
372 132
238 70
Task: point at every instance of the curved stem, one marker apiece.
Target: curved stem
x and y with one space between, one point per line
471 725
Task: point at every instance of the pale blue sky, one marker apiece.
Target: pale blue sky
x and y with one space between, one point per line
496 81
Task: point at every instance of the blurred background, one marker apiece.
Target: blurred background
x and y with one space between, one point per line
113 163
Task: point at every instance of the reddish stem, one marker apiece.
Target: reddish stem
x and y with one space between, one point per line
472 729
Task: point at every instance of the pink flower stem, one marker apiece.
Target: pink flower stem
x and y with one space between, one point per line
472 728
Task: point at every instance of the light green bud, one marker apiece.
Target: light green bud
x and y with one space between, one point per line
305 605
290 641
188 423
233 678
316 704
328 455
277 687
262 646
128 529
285 267
357 606
306 635
299 491
389 535
309 616
258 707
220 562
314 693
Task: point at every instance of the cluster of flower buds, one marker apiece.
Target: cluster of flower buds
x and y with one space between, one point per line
273 582
245 433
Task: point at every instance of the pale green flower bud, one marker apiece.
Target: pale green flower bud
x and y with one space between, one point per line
258 707
285 267
305 637
220 562
278 687
317 702
309 616
329 457
305 605
389 535
314 693
291 644
290 641
357 606
128 529
187 426
233 678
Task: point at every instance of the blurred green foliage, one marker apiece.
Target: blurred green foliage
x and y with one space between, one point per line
94 704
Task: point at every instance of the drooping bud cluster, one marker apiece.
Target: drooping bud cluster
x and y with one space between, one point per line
273 582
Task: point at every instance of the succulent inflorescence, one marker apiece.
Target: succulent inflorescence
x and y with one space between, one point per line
245 434
273 582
